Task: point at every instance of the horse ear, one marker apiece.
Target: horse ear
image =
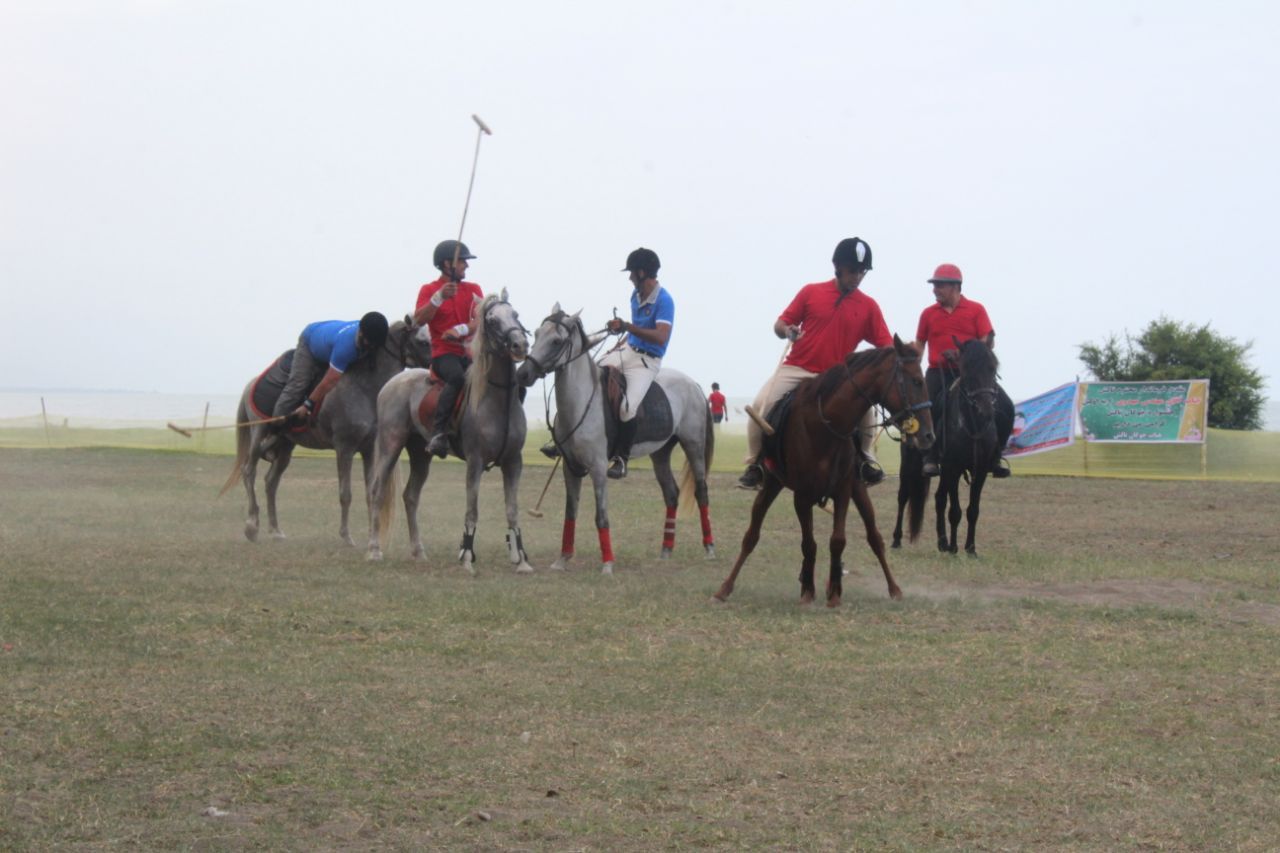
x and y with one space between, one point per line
555 309
503 298
990 340
408 320
957 341
951 356
593 340
576 314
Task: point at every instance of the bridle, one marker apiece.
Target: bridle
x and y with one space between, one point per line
905 419
553 363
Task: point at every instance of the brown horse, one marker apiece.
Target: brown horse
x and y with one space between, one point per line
819 455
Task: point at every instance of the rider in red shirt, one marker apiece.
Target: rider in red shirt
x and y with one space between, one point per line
825 322
951 319
447 306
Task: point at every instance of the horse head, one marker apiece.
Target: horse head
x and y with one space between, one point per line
412 342
499 333
558 341
978 367
906 397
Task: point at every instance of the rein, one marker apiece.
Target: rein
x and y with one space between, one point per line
555 368
900 419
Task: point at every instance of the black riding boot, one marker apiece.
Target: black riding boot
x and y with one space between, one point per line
622 449
439 445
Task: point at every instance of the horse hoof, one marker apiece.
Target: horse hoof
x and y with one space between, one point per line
834 601
606 569
895 594
417 553
897 543
373 556
972 552
560 565
524 568
348 541
716 599
251 532
469 568
278 535
666 553
711 550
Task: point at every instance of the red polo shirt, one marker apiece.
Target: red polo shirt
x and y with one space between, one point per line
451 312
937 326
717 402
833 325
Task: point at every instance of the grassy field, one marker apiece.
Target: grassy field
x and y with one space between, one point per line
1103 677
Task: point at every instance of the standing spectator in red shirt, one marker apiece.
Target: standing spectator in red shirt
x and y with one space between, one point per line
825 322
447 306
950 320
718 410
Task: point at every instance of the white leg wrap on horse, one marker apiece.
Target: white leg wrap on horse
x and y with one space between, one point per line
869 428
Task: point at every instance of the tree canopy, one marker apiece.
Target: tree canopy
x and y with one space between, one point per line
1167 349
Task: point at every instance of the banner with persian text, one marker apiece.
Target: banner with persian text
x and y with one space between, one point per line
1167 412
1044 422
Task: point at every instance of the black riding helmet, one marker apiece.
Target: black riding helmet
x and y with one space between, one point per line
446 250
373 327
852 253
644 260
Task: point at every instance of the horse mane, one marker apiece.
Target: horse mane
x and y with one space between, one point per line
825 383
481 357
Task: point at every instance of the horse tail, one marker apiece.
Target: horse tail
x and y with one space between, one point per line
242 449
387 509
688 483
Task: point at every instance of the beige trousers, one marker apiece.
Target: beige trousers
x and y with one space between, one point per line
783 380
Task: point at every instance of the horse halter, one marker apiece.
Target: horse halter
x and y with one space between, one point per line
553 361
495 331
905 420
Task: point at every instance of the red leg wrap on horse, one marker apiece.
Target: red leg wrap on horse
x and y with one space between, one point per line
669 529
566 538
707 538
606 545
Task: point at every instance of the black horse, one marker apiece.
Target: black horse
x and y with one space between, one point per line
968 445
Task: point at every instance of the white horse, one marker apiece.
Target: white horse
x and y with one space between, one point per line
561 347
491 432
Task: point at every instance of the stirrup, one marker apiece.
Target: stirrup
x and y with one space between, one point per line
871 472
617 468
550 450
930 468
1001 469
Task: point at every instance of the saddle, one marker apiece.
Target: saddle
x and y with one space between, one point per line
430 402
772 455
270 384
654 421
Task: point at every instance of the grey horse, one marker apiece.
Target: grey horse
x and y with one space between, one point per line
491 432
346 423
561 347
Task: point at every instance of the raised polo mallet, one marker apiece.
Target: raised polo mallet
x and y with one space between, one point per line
480 134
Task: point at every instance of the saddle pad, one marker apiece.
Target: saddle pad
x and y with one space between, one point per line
655 422
267 387
777 418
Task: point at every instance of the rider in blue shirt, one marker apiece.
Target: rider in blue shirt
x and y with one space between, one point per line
328 346
653 314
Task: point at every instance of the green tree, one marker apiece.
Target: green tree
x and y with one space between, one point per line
1167 349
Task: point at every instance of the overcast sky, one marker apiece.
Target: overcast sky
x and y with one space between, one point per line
184 185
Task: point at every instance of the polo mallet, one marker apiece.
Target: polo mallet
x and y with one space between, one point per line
480 134
536 512
751 410
188 430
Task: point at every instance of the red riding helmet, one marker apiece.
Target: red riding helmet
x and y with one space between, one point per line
947 274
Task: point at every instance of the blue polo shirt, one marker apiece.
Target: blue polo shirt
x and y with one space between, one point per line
334 340
658 308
